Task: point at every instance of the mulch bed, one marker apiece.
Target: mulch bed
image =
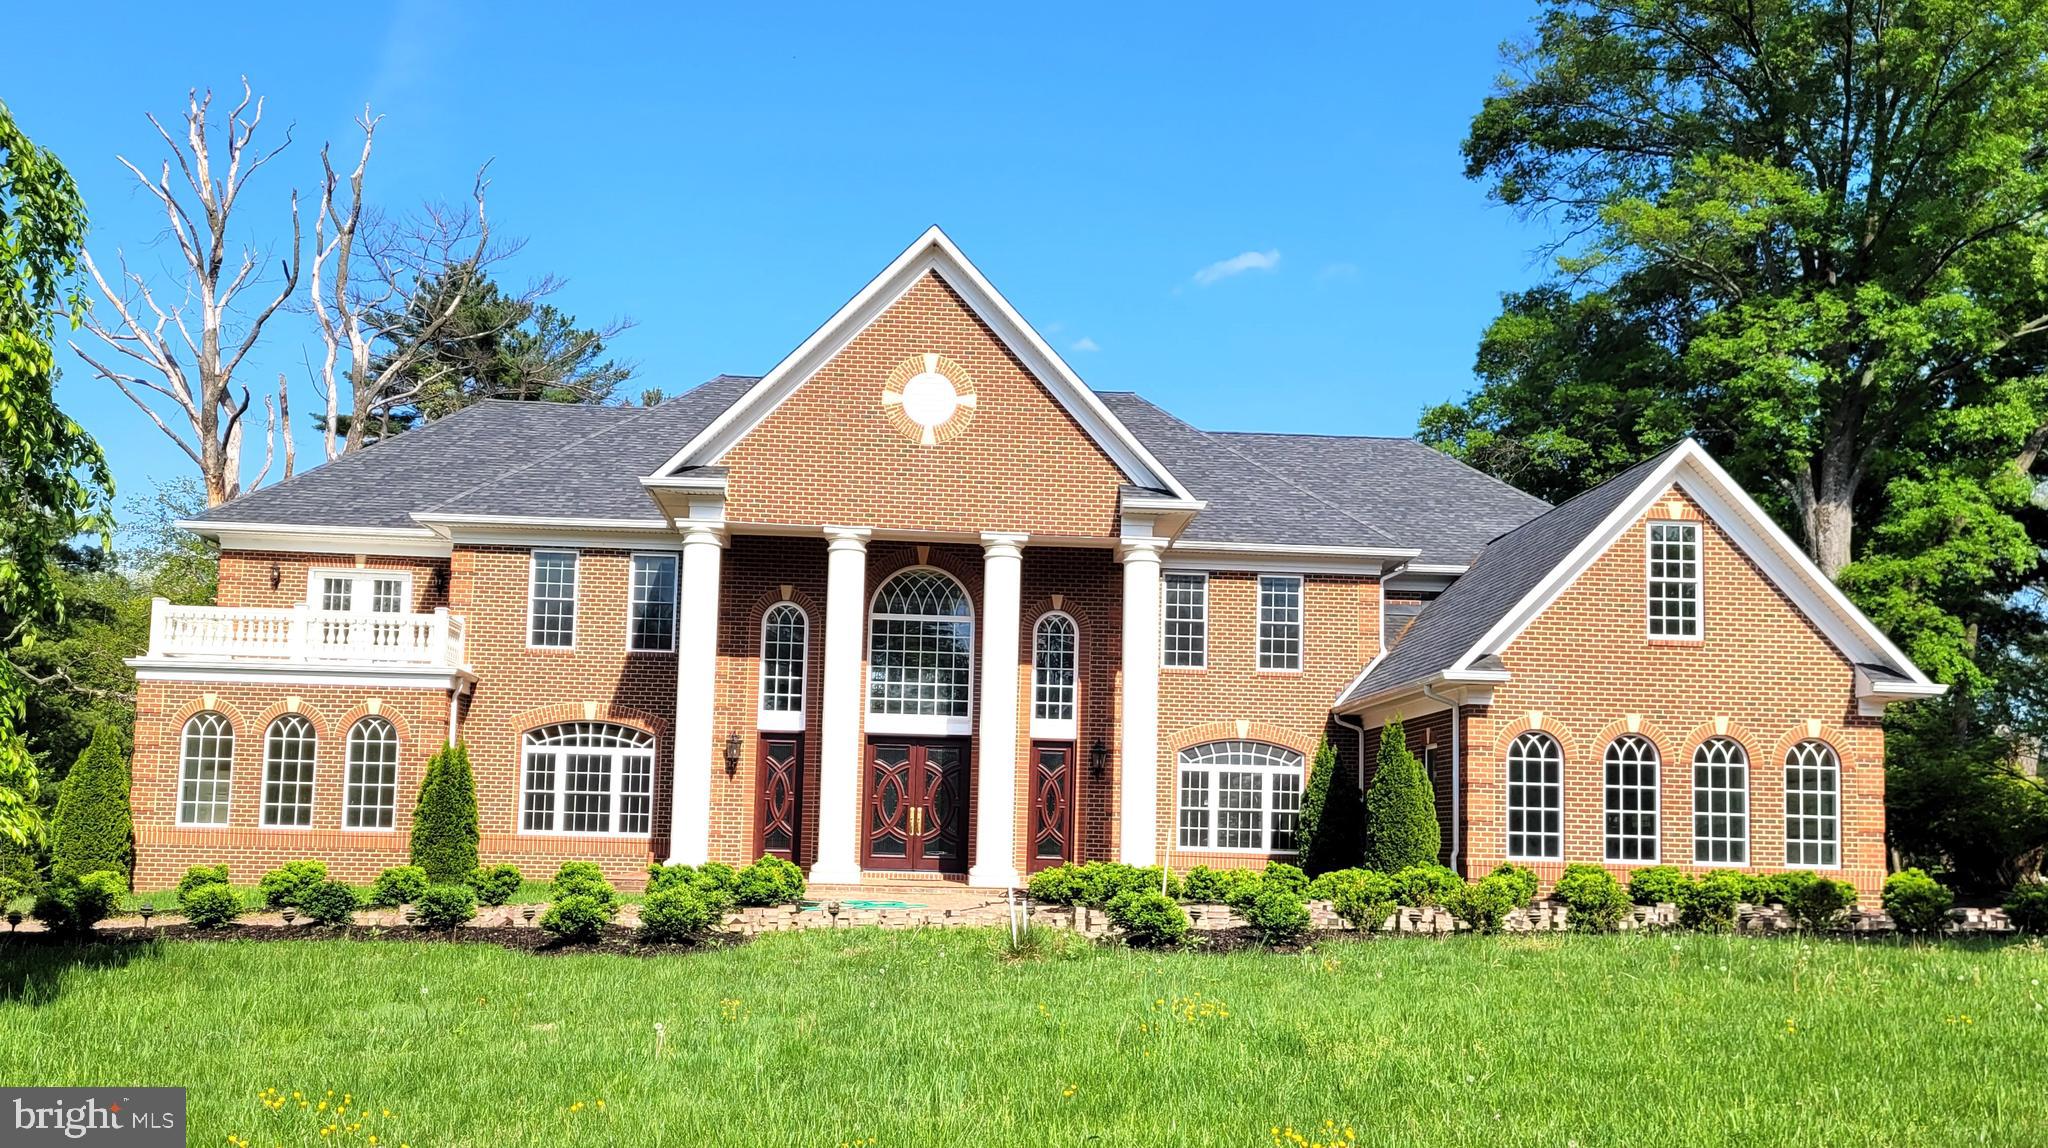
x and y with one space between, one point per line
616 940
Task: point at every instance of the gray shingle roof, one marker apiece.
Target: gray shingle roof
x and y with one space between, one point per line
1503 575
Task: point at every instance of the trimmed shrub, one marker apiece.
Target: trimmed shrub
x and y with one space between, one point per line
211 906
707 883
74 904
1281 875
1485 903
1658 885
1524 879
1329 830
398 885
675 914
770 881
92 829
718 875
1597 901
1366 899
585 879
1148 918
1280 915
1097 883
1430 885
332 903
1061 885
199 875
1768 888
1326 886
582 916
2027 907
1816 902
495 884
288 882
1401 829
1709 903
1917 902
444 831
445 906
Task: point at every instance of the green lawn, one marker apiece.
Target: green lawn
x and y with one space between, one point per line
933 1038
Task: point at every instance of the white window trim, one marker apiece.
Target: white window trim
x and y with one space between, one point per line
1656 810
1164 577
1837 819
229 799
1300 622
263 806
1266 774
1748 810
575 602
652 749
783 721
1698 580
398 759
361 596
1508 804
1054 729
920 725
675 601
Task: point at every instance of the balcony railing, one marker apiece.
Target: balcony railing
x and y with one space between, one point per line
302 634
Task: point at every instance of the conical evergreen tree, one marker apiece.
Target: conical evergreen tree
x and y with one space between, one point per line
1331 831
93 828
444 830
1400 808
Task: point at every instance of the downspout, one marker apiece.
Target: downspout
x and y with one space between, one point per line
1360 727
1457 769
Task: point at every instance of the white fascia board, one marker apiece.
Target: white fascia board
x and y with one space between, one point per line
1282 549
1448 569
269 673
686 483
1155 505
933 250
415 542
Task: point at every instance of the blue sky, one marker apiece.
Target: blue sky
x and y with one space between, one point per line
1258 221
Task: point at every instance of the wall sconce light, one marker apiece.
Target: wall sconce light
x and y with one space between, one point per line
732 753
276 576
1098 759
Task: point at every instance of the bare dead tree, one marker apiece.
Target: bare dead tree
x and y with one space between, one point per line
369 276
206 417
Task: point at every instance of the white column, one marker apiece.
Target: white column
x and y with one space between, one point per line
1138 811
839 749
995 790
689 824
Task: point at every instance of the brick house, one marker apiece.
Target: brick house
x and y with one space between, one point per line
917 602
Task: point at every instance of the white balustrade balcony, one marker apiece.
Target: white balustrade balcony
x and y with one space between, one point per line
301 635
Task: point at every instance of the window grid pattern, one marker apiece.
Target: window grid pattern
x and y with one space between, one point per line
1631 828
1812 800
1053 669
652 624
920 647
1674 580
288 752
1535 798
551 610
337 594
588 778
1184 633
785 655
1279 622
207 770
1239 795
371 795
1720 803
387 595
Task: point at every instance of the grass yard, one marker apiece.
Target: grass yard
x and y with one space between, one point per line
933 1038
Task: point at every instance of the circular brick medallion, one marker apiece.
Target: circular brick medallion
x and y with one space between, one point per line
929 399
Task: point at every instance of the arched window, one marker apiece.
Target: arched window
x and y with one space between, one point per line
1535 798
1054 662
921 655
588 777
1813 779
1631 764
1720 802
371 797
288 772
785 653
1241 796
207 770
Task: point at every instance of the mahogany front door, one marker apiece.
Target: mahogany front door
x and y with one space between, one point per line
779 804
1052 804
917 805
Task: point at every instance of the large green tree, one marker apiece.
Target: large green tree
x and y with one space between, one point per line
1814 234
54 484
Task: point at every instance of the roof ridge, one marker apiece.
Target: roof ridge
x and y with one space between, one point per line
1593 489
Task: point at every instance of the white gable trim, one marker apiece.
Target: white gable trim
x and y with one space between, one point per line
1694 471
933 251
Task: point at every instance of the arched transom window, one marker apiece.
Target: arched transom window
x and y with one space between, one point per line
785 652
1812 799
288 751
1720 802
1241 796
1535 798
921 655
1054 649
1631 768
371 796
588 777
206 770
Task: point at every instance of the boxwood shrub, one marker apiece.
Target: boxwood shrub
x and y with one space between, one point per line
495 884
1597 902
581 916
1485 903
199 875
585 879
1658 885
1097 883
331 903
1364 898
1280 915
770 881
1281 875
445 906
1709 903
1432 885
1524 879
285 884
1148 918
75 903
398 885
1917 902
211 906
678 913
1816 902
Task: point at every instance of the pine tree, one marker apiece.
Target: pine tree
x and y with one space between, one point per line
444 830
93 829
1400 808
1330 833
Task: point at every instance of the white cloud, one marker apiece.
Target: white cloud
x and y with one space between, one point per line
1237 265
1084 343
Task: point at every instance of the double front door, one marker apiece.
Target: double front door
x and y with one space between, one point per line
917 805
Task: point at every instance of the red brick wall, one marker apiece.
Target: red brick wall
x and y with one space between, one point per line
245 576
828 454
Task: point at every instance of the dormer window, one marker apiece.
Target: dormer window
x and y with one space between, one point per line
1674 580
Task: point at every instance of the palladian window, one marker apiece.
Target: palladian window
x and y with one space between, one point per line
1239 795
587 777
